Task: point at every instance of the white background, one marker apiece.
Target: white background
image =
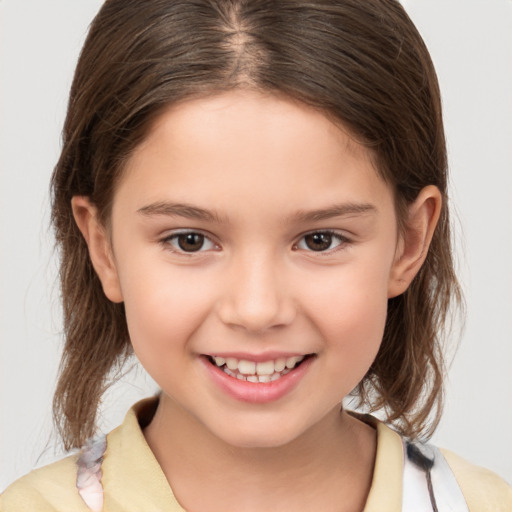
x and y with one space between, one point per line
471 45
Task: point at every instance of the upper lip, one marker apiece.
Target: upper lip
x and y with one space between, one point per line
257 358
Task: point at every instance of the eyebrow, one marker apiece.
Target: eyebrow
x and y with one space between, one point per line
179 210
336 210
193 212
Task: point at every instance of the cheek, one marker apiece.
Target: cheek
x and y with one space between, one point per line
350 310
356 325
353 331
164 306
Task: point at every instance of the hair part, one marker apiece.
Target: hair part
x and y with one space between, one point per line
363 64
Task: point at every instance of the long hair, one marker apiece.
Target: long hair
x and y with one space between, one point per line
363 64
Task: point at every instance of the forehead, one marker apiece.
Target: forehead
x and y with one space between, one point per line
245 142
261 116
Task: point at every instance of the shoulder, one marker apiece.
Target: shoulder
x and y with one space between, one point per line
484 490
51 488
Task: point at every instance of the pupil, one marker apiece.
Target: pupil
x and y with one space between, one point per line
318 241
190 242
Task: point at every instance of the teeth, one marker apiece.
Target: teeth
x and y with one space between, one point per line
247 367
280 365
266 368
229 372
266 371
292 361
232 363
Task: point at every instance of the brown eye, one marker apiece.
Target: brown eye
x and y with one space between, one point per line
318 241
190 242
322 241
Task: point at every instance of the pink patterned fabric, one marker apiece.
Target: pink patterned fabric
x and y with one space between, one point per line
88 480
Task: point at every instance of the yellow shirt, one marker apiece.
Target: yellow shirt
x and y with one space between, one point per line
133 480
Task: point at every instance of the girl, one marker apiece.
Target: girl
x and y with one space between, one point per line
251 197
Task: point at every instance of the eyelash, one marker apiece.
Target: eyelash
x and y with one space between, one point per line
168 240
343 241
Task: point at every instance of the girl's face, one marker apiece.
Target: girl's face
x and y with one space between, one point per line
249 230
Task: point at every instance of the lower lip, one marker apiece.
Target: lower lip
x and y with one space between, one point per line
257 392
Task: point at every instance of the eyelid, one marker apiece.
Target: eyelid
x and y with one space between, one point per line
342 238
173 234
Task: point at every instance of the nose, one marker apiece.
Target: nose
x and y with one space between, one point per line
255 295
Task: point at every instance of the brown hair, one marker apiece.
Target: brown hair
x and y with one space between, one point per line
362 63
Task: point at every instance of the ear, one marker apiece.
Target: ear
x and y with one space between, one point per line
98 243
414 242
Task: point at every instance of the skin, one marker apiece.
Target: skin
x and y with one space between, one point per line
259 162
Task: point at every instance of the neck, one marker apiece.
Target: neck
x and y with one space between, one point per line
327 468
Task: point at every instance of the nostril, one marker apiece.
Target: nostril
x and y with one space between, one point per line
255 316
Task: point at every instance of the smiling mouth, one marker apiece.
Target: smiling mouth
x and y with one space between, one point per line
257 372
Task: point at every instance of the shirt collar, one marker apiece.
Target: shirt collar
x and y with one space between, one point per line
133 480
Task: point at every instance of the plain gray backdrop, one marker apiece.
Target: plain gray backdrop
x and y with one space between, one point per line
471 45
